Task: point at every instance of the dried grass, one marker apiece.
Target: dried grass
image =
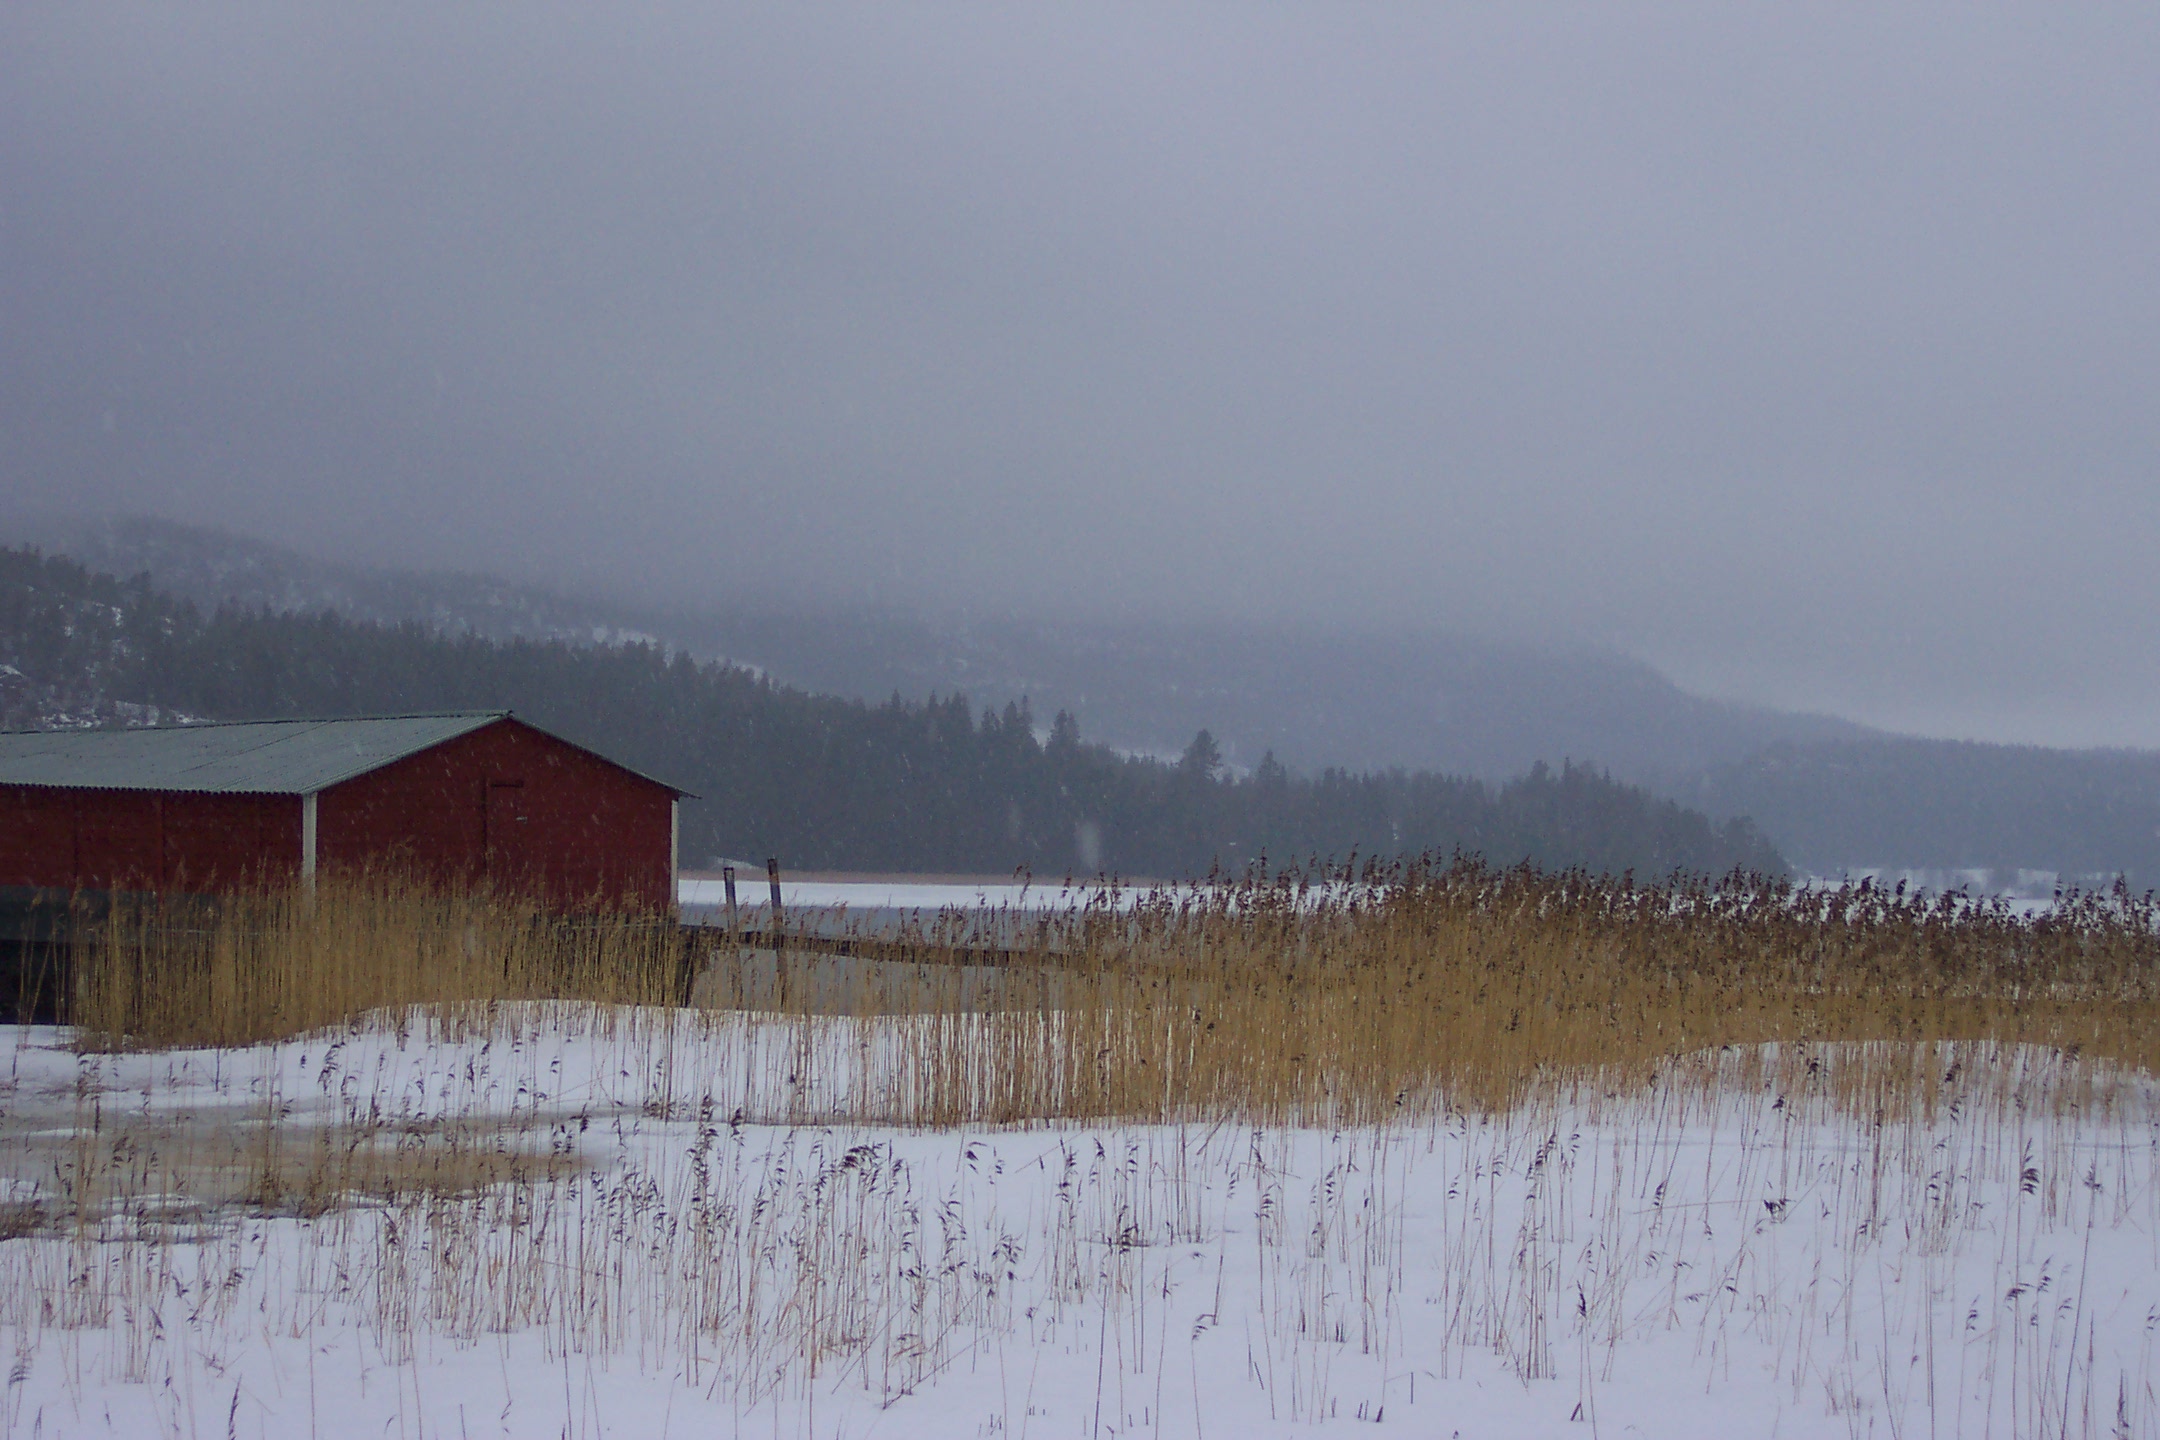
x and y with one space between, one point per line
265 965
1327 999
1432 1113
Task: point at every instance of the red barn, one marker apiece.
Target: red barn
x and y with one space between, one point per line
461 797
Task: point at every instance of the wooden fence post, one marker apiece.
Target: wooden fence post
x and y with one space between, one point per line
779 941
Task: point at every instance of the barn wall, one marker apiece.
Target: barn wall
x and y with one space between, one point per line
143 840
513 807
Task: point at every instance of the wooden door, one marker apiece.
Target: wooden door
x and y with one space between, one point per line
509 830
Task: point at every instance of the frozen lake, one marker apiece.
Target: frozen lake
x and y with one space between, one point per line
987 914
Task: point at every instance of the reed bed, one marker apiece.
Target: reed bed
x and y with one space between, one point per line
1330 998
1433 1147
1725 1251
266 964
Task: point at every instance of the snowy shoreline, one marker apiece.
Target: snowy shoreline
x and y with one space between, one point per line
726 1246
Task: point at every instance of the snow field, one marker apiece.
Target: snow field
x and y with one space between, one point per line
585 1221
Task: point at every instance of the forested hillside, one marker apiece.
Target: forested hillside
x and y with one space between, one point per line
1947 804
820 782
1422 700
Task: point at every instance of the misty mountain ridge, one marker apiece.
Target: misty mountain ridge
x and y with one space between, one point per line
816 780
211 567
1834 796
1416 700
1899 803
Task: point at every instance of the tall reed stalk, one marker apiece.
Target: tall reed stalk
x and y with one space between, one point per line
1325 999
263 965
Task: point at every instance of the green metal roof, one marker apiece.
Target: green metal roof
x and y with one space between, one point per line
255 757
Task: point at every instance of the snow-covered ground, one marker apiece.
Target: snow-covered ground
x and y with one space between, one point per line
692 1231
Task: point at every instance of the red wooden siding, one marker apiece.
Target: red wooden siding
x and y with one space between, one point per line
144 840
512 806
504 804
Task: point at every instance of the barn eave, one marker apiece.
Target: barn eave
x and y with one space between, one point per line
247 757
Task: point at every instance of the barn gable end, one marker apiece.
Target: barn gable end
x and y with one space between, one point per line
516 807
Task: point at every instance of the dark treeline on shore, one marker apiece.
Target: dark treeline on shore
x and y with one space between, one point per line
2088 815
818 781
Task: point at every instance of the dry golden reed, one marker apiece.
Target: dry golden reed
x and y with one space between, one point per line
1322 999
264 965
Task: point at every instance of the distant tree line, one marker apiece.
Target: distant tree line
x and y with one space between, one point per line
1953 805
819 781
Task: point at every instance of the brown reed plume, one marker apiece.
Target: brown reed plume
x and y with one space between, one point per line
271 963
1330 997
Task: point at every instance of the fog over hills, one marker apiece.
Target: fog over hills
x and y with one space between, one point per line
1417 699
1438 386
817 780
1980 812
216 567
1428 700
1835 796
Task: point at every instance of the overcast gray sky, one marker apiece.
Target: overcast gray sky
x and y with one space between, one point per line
1811 352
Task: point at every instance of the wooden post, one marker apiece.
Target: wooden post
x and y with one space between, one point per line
779 954
734 925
